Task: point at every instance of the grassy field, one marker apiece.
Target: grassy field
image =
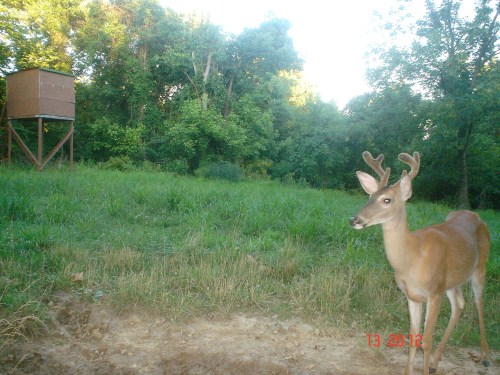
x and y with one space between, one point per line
186 247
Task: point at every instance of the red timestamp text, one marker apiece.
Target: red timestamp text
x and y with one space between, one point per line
394 340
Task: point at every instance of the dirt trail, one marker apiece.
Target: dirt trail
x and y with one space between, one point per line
88 338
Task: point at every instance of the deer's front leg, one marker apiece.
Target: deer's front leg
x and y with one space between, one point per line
431 315
415 309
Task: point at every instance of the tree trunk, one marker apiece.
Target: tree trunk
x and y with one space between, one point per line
203 97
143 59
227 104
464 184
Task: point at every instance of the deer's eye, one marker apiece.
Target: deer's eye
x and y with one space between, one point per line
387 201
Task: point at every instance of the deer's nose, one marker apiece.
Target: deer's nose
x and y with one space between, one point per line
356 222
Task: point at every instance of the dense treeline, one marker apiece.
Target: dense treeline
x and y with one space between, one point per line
178 93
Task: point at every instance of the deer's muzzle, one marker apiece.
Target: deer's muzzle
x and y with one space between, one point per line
357 222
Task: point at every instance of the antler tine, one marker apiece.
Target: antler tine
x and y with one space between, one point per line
412 161
376 165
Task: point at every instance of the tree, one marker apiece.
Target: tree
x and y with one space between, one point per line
207 46
256 55
312 147
122 50
385 122
38 33
450 61
199 135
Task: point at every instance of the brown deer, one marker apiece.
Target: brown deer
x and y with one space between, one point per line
430 261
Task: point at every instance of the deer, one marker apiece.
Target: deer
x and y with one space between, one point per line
428 262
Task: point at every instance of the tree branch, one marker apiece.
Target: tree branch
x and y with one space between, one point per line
486 43
195 88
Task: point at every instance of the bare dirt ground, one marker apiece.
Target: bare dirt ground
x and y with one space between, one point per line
88 338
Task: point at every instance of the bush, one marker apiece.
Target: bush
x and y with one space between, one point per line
122 163
104 139
223 170
177 166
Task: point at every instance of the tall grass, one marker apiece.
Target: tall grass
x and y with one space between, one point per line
186 247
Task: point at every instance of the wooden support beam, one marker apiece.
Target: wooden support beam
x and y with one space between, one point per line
71 148
68 135
9 142
21 144
40 162
40 143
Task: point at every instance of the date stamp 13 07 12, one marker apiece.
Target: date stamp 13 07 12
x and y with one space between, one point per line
394 340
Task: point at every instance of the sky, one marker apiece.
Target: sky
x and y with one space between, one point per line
331 36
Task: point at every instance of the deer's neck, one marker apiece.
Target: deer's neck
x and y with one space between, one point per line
399 242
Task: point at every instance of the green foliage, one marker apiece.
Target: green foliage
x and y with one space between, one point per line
222 170
317 153
255 123
267 49
199 134
483 161
37 33
123 163
177 166
178 93
104 139
454 61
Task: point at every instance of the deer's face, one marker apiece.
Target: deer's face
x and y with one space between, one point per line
385 204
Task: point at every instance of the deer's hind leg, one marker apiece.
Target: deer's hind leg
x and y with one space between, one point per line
457 305
477 282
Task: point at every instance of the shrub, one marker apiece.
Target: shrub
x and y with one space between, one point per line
104 139
119 163
177 166
223 170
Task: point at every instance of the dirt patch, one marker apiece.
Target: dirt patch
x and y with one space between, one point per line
88 338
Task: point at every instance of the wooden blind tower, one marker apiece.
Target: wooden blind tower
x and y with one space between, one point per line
40 94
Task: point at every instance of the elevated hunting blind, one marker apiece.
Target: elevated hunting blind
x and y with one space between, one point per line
40 94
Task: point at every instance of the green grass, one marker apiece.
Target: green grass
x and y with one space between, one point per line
186 247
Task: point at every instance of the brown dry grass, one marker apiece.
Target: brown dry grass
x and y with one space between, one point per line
19 324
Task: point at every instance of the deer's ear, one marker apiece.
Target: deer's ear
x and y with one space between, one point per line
368 182
405 187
